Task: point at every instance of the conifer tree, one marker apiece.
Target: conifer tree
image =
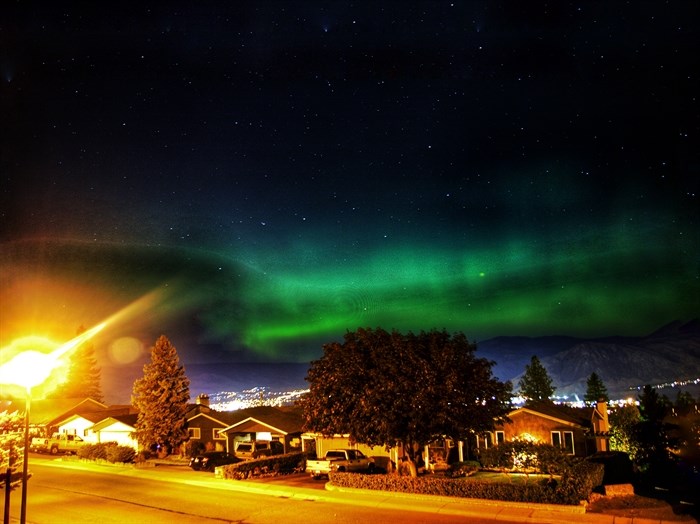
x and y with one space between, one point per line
654 437
83 376
536 384
595 389
161 398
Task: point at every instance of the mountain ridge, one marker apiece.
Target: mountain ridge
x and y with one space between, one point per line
668 354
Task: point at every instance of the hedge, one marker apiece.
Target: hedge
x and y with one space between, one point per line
275 465
573 486
109 451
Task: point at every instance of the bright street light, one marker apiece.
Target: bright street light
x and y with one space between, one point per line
29 369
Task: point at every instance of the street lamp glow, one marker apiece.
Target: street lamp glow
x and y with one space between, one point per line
31 368
28 369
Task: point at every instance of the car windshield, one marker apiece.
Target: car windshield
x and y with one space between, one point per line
244 447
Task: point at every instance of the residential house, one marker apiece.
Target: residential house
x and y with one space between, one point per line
117 428
81 423
579 431
204 424
265 423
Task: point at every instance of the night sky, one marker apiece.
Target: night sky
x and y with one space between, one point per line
272 174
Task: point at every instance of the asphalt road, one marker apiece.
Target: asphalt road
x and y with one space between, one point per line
73 492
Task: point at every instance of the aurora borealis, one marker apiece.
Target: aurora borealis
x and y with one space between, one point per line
277 173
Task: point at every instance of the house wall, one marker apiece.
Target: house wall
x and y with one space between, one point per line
207 433
528 426
119 433
79 426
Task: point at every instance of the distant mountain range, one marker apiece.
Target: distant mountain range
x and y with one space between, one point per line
669 354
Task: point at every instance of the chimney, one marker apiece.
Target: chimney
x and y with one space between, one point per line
202 400
601 426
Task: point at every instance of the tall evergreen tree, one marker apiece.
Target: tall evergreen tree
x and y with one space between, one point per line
684 403
536 384
83 376
595 389
653 435
161 398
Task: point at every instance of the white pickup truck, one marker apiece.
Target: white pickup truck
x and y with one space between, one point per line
340 460
58 443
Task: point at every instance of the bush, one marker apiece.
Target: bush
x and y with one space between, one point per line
526 457
575 484
618 466
462 469
578 482
274 465
541 492
94 451
123 454
109 451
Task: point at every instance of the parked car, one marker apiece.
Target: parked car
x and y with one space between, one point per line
211 459
58 443
258 448
340 460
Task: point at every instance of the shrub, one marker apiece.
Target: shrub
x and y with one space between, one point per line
450 487
109 451
617 464
526 457
462 469
194 448
94 451
274 465
123 454
576 483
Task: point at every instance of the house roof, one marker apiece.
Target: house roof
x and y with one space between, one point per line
128 420
259 418
45 412
94 416
565 414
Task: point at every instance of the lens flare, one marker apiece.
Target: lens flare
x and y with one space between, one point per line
28 368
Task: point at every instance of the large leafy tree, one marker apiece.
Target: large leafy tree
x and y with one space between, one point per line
83 377
161 397
536 384
595 389
403 389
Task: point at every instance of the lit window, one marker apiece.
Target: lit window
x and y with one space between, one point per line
194 433
217 435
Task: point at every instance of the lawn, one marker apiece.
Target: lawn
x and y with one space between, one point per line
510 478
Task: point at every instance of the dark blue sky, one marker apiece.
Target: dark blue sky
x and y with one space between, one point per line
281 172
